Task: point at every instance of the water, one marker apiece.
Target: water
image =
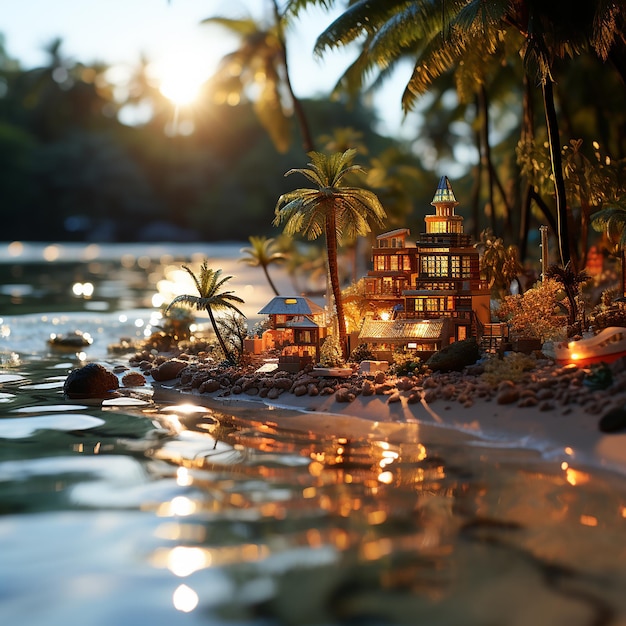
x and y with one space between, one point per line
148 509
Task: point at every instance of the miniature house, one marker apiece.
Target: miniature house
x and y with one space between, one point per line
297 326
426 295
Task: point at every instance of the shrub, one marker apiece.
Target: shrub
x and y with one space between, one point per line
330 352
363 352
512 367
454 357
406 363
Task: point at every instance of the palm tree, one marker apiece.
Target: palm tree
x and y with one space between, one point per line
261 62
337 211
261 254
211 298
571 282
612 220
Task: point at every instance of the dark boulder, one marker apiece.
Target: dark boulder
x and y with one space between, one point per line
91 381
454 357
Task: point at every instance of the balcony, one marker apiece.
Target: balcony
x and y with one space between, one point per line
432 315
454 240
426 283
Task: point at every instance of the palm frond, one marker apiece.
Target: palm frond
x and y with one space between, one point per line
294 7
193 301
311 174
242 27
194 278
364 16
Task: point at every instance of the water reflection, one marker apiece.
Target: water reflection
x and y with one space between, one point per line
143 510
351 526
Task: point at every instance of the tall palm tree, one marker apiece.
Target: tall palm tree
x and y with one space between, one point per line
261 62
210 298
261 254
337 211
612 220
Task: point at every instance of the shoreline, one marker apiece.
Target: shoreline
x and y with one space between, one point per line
567 434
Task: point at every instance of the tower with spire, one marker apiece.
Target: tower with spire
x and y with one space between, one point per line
426 295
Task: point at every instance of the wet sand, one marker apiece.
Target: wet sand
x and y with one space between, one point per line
568 434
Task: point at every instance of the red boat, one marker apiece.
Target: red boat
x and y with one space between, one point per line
607 346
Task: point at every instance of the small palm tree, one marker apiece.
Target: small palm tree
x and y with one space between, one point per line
571 281
261 254
337 211
211 298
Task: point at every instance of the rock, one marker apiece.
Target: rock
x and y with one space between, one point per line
508 395
313 390
613 421
527 401
454 357
344 395
273 393
71 341
210 386
383 388
300 390
91 381
368 388
133 379
414 398
168 370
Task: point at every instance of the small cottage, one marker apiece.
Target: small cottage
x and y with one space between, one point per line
297 327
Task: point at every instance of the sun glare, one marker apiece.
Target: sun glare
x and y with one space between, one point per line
181 77
181 88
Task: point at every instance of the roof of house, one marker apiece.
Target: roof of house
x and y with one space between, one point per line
401 330
301 322
292 305
444 193
394 233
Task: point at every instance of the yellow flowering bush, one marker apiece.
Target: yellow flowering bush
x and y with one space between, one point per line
512 367
537 313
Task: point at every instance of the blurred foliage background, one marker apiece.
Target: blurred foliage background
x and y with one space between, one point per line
84 157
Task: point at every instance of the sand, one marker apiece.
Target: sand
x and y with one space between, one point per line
563 434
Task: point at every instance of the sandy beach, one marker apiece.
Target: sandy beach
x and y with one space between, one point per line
564 429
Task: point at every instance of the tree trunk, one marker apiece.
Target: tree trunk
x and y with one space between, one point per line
227 354
333 270
485 154
543 207
554 143
624 271
475 195
524 225
527 137
269 280
303 123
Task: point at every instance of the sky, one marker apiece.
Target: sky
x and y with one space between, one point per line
119 32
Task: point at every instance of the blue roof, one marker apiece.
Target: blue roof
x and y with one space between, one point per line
444 192
291 305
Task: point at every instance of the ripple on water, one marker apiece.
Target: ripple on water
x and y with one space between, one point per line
19 427
10 378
